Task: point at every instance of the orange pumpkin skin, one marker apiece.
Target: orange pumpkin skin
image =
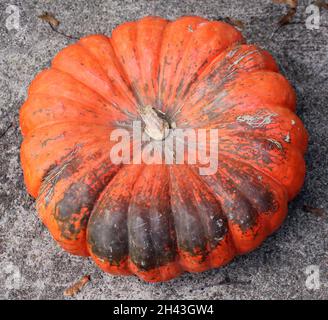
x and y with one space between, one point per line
156 221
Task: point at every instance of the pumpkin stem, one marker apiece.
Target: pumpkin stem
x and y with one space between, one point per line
156 126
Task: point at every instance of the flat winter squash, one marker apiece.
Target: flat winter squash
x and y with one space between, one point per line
156 220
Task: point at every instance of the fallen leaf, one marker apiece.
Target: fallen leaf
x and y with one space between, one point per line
48 17
54 23
76 287
288 17
321 4
316 211
291 3
235 22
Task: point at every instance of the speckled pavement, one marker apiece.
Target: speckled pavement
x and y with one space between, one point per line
32 266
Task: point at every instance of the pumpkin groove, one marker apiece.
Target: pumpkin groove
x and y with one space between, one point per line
159 220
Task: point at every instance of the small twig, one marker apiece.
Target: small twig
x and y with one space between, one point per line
319 212
288 17
6 130
235 22
54 23
227 281
76 287
279 27
62 33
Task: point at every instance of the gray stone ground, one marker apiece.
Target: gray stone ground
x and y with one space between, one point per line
32 266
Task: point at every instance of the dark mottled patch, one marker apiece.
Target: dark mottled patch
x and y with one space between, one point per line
68 211
241 212
199 221
152 241
246 195
140 226
108 235
73 210
69 165
235 206
253 188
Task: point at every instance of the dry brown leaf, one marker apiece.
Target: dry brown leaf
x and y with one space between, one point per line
316 211
48 17
321 4
54 23
291 3
76 287
288 17
235 22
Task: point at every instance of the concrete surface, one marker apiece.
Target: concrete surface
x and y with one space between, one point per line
32 266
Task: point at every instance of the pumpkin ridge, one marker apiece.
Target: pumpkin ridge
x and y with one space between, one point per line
96 110
210 57
281 115
205 186
238 173
199 73
200 216
135 29
158 101
262 137
28 110
151 244
69 61
228 157
270 161
242 109
31 152
257 82
53 171
42 89
226 62
227 101
210 190
183 56
66 226
199 233
255 206
59 123
246 234
269 200
100 46
253 212
294 136
167 73
110 103
95 251
228 230
153 83
133 89
85 48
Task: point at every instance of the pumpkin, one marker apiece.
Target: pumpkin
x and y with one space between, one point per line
150 219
